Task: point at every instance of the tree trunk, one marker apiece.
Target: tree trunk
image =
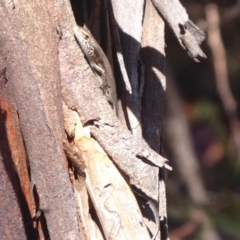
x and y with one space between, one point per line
51 104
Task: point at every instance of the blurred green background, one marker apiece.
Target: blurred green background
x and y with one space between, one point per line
209 123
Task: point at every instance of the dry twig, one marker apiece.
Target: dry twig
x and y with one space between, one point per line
221 74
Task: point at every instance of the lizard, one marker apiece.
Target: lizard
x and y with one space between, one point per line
98 63
102 69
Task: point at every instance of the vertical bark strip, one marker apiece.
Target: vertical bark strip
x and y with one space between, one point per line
130 26
153 57
11 226
32 70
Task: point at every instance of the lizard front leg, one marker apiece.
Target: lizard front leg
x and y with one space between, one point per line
101 78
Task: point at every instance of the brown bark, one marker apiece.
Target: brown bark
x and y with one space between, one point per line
31 63
49 86
11 226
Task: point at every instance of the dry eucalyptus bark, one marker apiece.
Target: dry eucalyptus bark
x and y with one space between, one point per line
188 34
42 59
153 58
15 184
29 47
125 150
11 226
130 31
106 187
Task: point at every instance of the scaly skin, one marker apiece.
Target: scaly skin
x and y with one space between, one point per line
98 62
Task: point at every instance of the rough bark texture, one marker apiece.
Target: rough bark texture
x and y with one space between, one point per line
106 187
94 110
14 159
31 62
130 37
125 150
43 76
11 226
153 58
188 34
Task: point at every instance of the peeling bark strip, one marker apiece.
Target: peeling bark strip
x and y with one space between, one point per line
153 58
12 222
130 32
130 146
106 186
118 47
108 191
188 34
80 92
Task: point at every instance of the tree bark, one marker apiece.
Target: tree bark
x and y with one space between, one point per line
48 87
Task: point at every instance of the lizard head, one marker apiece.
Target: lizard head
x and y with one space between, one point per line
85 41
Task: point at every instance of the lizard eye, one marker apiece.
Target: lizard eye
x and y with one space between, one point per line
85 36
